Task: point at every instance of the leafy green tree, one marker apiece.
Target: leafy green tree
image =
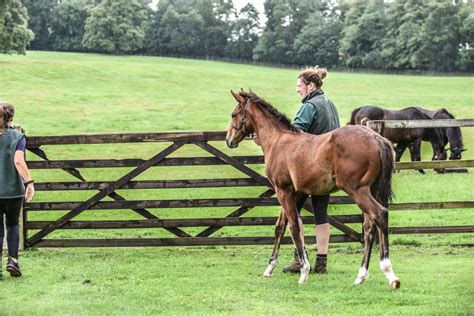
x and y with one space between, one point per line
154 37
401 45
318 41
182 32
440 37
216 15
190 27
364 29
68 22
175 29
117 26
466 51
244 33
285 19
3 9
40 13
14 32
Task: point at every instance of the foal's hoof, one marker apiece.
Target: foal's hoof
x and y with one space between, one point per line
304 274
395 284
362 276
359 281
303 279
269 270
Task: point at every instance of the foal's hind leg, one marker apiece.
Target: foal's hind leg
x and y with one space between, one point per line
379 214
369 237
385 262
288 203
280 228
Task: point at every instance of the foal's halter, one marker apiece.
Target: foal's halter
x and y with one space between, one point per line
241 127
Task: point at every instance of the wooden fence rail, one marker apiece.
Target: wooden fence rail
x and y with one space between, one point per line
38 233
422 123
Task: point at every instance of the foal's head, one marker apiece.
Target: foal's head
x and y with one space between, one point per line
240 125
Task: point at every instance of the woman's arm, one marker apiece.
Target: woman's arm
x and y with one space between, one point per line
22 168
305 117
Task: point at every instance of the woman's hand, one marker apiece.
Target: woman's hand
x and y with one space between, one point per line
30 192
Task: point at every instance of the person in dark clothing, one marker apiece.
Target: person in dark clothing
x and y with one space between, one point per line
16 184
317 115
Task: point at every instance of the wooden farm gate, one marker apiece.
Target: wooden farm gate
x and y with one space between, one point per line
105 197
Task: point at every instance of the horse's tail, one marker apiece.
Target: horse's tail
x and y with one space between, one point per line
353 115
382 187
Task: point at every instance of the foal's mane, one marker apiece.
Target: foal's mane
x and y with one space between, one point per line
281 117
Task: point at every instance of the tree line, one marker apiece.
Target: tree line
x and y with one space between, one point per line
434 35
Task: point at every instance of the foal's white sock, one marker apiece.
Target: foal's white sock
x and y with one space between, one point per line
386 267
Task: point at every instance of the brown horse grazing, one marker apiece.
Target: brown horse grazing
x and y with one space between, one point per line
404 137
452 135
353 158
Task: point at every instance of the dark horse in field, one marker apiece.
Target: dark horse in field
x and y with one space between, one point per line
450 134
404 137
352 158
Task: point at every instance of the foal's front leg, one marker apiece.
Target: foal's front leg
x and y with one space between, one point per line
280 228
288 203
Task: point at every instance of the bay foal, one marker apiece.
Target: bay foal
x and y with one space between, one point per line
354 159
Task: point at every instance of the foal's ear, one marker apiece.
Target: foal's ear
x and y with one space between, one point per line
237 96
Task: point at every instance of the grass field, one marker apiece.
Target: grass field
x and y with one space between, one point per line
59 94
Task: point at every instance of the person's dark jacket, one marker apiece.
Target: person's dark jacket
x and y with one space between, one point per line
11 184
317 114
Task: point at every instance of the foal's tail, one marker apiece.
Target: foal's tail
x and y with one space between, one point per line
382 187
